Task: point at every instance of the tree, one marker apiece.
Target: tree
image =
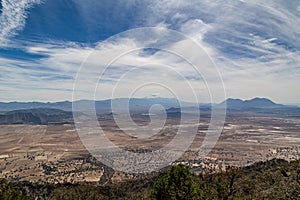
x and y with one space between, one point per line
176 184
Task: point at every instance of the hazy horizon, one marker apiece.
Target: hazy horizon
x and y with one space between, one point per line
293 103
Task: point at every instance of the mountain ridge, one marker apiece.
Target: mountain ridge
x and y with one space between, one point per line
140 104
257 102
61 112
101 105
36 116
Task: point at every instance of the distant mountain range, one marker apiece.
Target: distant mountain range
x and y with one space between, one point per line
61 112
139 104
10 106
100 105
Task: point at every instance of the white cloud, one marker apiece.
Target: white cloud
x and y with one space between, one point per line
13 17
254 44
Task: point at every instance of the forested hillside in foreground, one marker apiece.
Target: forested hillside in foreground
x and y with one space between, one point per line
274 179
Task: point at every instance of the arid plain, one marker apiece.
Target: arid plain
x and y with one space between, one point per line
54 153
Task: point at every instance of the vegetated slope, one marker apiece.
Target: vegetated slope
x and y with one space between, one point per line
274 179
8 192
36 116
22 118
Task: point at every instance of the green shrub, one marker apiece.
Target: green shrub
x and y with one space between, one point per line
7 192
176 184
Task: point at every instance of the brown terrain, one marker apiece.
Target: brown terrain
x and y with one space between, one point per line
53 153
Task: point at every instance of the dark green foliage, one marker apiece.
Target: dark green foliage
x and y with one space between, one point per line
8 192
274 179
178 183
138 189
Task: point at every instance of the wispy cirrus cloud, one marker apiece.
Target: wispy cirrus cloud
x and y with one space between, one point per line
256 45
13 17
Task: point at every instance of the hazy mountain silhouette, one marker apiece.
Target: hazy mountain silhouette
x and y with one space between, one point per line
100 105
238 104
60 112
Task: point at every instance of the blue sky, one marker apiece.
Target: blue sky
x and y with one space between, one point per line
255 46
